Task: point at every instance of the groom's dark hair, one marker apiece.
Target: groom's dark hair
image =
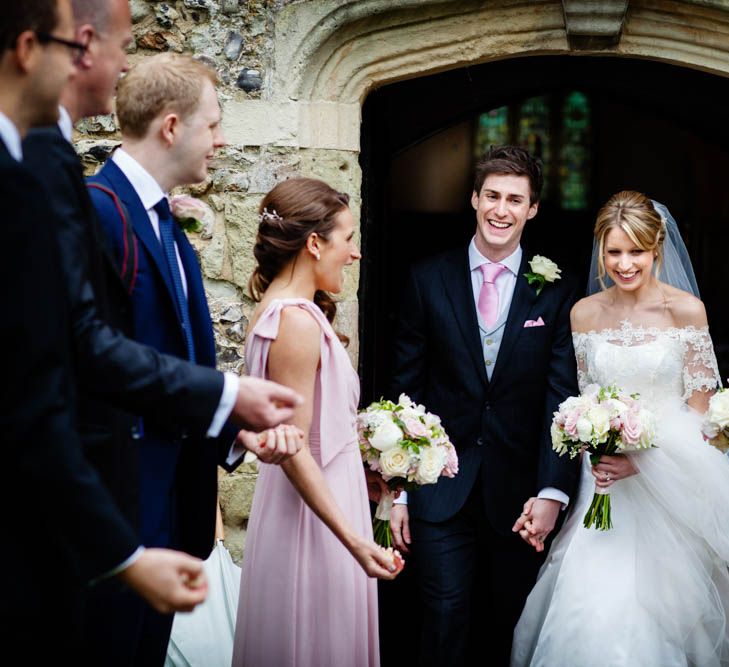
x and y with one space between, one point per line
21 15
512 160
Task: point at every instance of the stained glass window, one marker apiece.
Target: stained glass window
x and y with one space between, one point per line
554 128
534 133
492 130
574 156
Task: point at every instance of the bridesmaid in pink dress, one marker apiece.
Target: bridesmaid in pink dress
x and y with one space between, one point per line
307 598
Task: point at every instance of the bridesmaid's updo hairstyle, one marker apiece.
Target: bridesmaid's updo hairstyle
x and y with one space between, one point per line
633 213
289 214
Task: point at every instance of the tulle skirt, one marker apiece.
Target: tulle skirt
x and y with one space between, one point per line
653 590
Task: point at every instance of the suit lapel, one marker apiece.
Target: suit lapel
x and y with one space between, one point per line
140 221
457 283
521 303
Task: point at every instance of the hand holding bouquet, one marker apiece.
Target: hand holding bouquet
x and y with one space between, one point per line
408 447
716 420
603 420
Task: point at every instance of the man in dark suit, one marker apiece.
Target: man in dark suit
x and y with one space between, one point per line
48 484
492 355
170 121
117 376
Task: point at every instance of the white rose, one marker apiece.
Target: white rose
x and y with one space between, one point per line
409 413
600 419
719 409
557 441
584 429
395 462
545 267
432 461
386 436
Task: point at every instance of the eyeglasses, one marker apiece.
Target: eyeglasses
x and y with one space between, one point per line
77 48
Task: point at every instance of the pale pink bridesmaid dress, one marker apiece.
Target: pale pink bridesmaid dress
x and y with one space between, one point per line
304 600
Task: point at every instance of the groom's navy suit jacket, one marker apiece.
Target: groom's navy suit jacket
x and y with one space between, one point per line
178 471
501 426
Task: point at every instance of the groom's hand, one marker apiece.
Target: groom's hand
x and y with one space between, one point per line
537 521
400 527
263 404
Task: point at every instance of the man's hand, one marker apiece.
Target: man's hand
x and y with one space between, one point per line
169 580
400 527
537 521
262 404
274 445
376 486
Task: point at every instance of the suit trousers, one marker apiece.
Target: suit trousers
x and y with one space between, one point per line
473 584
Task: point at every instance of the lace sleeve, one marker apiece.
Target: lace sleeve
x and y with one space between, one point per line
700 370
579 340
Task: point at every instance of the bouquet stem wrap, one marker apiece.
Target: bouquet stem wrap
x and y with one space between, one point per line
381 522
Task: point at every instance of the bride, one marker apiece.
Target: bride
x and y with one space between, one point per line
653 590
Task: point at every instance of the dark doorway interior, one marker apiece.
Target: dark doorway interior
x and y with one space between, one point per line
652 127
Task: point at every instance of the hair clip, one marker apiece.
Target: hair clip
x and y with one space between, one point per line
269 216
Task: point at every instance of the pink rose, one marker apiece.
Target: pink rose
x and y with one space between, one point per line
451 465
187 209
416 428
570 423
632 428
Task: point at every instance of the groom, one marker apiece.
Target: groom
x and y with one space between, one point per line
480 347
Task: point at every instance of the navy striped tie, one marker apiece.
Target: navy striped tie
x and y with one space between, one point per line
167 239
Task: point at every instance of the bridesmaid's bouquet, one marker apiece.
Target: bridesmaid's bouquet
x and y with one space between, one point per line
602 420
716 420
408 447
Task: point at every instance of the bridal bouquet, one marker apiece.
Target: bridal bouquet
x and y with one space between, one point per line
602 420
408 447
716 420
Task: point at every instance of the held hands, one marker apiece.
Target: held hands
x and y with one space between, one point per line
537 521
169 580
274 445
262 404
612 468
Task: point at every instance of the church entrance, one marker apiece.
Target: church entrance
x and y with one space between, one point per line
599 124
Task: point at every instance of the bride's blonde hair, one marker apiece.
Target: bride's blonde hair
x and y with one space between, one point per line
633 213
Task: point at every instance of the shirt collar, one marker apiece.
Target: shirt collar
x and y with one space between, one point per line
147 189
65 124
476 259
11 137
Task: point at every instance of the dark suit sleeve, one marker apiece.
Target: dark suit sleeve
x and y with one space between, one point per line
410 356
555 471
129 375
47 472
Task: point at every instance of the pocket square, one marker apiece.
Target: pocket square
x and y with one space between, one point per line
539 322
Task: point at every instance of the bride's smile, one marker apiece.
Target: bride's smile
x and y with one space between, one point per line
628 265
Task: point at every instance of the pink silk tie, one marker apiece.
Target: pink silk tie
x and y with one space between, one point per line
488 298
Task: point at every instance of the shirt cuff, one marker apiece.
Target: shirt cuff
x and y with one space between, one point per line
225 407
550 493
119 568
402 499
235 452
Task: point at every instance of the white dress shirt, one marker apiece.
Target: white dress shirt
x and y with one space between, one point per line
150 192
11 137
505 284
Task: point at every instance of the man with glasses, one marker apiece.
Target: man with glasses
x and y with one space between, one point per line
77 532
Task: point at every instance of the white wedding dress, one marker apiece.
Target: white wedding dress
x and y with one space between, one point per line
654 590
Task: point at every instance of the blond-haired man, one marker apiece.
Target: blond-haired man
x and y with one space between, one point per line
170 122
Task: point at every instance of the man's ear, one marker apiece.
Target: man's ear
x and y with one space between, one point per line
85 35
26 51
169 128
474 200
533 210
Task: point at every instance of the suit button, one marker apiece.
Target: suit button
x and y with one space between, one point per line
487 406
479 442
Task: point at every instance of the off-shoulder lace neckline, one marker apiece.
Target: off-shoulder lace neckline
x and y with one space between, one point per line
627 327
